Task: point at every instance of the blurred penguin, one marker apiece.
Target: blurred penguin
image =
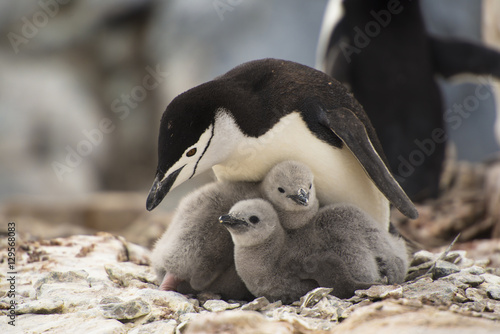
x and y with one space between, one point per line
381 50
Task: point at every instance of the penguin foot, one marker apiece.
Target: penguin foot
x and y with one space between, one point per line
169 283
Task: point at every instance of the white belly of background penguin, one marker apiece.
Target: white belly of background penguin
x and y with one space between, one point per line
269 110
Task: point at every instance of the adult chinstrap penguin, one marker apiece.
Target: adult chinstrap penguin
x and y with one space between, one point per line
383 52
266 111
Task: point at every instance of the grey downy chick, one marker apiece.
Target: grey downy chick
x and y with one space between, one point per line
289 186
370 252
272 265
196 253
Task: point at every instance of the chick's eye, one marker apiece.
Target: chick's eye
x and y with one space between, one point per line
254 219
281 190
191 152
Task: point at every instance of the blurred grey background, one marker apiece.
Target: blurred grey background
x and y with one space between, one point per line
83 84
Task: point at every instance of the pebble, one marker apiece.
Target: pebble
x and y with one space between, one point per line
482 263
493 291
110 300
491 279
175 301
463 281
79 276
204 296
474 270
314 296
271 307
465 263
376 292
422 256
454 256
410 302
435 292
131 309
256 305
444 268
126 275
41 307
475 294
459 297
215 305
186 317
473 306
163 326
420 267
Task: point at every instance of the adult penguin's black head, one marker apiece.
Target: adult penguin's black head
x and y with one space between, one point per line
186 132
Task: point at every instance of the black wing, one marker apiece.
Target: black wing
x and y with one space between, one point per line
352 131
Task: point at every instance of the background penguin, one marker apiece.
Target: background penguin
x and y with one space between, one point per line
381 50
278 267
290 188
196 253
266 111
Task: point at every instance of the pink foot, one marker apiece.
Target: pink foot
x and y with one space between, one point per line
170 283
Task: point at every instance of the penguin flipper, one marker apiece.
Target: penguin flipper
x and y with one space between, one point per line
453 57
349 128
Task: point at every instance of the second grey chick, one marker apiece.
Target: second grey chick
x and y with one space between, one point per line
196 253
273 265
289 186
364 246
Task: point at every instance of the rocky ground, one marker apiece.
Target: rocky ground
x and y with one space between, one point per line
70 278
104 284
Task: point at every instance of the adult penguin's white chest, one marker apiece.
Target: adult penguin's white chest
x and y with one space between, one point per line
338 176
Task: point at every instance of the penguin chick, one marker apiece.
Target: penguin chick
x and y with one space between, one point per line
270 262
369 255
367 250
196 253
290 188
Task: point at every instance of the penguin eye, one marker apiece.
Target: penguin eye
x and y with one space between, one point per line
254 219
191 152
281 190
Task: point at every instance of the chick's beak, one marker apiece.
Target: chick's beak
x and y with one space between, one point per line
302 197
